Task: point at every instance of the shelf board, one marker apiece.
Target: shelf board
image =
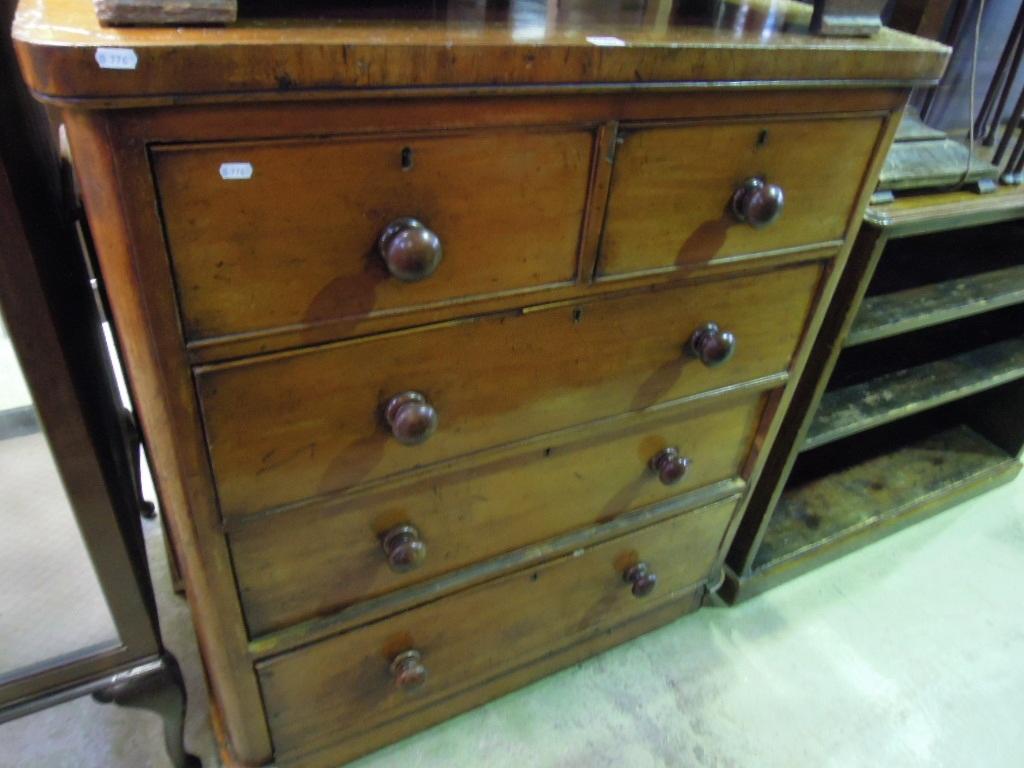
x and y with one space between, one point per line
830 516
891 314
847 411
943 211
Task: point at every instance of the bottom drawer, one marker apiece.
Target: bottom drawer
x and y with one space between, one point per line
345 685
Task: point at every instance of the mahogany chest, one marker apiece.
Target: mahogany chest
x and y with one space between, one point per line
458 340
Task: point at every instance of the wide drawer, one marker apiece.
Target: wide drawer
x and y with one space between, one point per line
312 561
290 238
672 189
296 425
344 685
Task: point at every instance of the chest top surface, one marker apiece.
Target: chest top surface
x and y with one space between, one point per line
534 43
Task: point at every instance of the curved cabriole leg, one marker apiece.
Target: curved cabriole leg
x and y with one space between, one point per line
158 687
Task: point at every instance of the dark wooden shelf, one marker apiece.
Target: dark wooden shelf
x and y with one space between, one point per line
856 408
825 518
891 314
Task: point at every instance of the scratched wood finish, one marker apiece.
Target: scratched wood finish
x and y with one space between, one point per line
974 382
895 395
444 69
296 565
890 314
297 242
509 45
297 425
341 686
819 515
672 187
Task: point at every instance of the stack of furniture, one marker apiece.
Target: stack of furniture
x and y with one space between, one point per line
911 400
459 341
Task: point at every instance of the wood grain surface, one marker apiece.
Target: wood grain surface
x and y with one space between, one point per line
600 42
342 686
300 564
297 242
296 425
672 186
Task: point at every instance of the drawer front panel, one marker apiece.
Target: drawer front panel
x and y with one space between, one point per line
343 685
297 242
293 426
672 189
307 563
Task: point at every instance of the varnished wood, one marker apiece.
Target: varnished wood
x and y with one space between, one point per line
727 43
371 739
464 640
290 426
142 298
299 564
543 356
672 189
249 258
389 604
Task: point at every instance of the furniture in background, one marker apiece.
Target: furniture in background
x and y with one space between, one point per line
911 401
831 17
459 341
79 616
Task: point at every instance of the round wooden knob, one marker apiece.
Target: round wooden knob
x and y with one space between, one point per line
670 466
410 251
757 202
712 345
641 579
411 418
404 548
407 671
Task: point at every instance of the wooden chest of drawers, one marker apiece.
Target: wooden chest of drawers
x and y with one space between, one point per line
457 342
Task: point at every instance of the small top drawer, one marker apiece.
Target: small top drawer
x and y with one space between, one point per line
288 233
673 189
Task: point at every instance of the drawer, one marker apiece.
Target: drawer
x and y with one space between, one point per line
297 242
670 204
309 562
343 686
296 425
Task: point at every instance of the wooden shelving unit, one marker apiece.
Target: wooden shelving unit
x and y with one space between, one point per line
846 411
891 314
913 397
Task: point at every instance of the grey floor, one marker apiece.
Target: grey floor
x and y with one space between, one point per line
907 653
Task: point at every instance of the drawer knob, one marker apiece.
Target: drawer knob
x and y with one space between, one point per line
670 466
410 250
641 579
404 547
757 202
407 671
411 418
712 345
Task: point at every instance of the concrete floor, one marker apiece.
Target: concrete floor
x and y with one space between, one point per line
907 653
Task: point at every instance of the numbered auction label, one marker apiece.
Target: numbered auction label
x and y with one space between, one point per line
117 58
236 171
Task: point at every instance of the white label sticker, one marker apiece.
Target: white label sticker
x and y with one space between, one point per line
117 58
615 42
236 171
